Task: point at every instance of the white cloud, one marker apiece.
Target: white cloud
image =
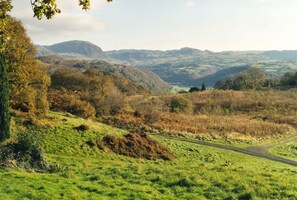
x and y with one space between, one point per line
189 3
71 23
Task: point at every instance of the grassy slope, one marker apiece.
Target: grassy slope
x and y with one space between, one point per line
287 151
198 172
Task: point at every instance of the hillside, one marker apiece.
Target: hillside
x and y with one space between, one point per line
184 67
43 51
81 169
76 48
281 55
223 74
191 67
140 76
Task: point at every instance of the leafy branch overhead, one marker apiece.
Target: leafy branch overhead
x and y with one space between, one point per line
5 7
49 8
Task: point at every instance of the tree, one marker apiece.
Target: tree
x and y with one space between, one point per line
4 99
203 87
47 8
194 89
252 79
28 83
289 80
219 85
5 7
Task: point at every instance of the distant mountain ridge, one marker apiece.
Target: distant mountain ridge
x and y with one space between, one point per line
84 48
183 67
282 55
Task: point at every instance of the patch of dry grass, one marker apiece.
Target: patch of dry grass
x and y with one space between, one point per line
243 102
240 115
238 127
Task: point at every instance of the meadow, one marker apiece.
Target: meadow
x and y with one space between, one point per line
287 151
224 116
130 142
198 172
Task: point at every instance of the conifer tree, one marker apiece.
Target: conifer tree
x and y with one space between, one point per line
4 99
203 87
5 7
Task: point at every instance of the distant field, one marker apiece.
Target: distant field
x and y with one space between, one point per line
277 68
198 172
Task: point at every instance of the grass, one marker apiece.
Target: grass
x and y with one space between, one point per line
228 129
197 172
288 151
239 102
239 127
223 116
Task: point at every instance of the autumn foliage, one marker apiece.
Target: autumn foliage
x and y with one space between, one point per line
28 83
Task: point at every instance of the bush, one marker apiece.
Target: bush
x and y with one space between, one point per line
25 152
109 104
179 104
67 102
82 127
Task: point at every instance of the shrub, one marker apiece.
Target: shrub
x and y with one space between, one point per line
180 104
151 117
68 102
82 127
25 152
111 103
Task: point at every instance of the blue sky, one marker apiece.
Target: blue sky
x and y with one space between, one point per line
215 25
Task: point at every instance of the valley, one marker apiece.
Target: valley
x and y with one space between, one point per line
78 122
185 67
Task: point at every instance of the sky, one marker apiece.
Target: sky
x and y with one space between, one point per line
216 25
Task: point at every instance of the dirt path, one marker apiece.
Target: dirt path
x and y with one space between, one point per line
258 151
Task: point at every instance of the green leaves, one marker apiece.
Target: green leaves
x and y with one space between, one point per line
48 8
5 7
85 4
4 100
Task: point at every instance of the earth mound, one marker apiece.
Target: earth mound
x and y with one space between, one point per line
138 145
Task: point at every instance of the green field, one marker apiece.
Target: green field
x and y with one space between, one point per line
198 172
287 151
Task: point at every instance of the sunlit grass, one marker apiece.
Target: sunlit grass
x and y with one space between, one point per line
236 127
198 172
286 150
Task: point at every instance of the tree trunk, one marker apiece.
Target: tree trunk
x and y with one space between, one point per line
4 100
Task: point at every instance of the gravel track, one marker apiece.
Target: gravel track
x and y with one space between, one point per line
258 151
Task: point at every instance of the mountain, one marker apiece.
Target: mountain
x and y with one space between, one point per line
183 67
43 51
186 66
137 75
282 55
189 67
76 48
